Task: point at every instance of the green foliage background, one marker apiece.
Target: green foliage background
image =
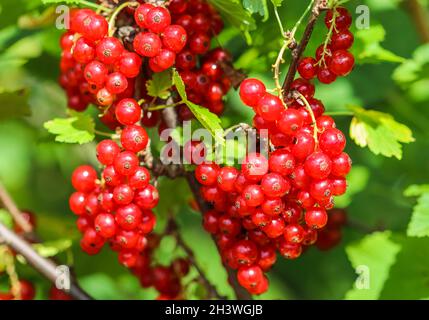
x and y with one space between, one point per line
391 76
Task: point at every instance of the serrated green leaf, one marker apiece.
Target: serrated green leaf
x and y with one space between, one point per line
368 48
377 253
208 120
52 248
380 132
159 84
6 218
79 128
257 6
413 70
416 190
419 224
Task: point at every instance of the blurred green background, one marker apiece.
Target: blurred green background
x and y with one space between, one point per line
389 77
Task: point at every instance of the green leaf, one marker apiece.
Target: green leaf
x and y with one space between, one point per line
79 128
14 104
357 180
233 12
413 69
408 277
208 120
377 253
416 190
419 224
257 6
380 132
368 48
159 84
52 248
6 218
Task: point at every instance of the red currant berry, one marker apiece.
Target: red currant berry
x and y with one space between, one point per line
83 178
290 121
282 162
332 142
123 194
108 50
129 64
269 107
174 38
245 252
199 43
116 83
95 73
128 111
106 151
140 179
147 198
226 178
343 19
147 44
254 166
308 68
326 76
77 202
83 51
157 19
341 165
318 165
251 90
105 225
134 138
321 190
128 217
342 40
275 228
253 195
342 63
316 218
274 185
126 163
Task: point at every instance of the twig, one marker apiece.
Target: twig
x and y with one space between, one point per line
16 214
299 50
172 229
421 18
45 266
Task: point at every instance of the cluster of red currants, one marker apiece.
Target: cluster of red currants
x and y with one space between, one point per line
101 69
279 202
165 279
201 69
333 58
116 208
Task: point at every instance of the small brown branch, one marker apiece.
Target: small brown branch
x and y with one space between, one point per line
172 229
45 266
16 214
299 50
420 17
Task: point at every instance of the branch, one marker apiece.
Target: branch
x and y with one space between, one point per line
299 50
420 17
45 266
16 214
172 229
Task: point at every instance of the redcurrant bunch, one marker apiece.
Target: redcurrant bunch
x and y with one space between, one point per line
331 236
332 58
276 203
118 207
